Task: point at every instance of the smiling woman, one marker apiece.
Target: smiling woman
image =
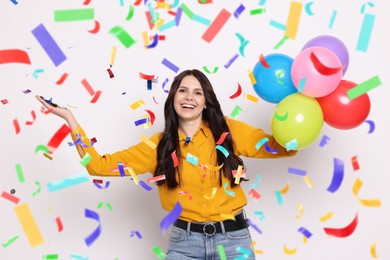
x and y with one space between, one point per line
188 161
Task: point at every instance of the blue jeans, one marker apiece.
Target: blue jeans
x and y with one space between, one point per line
186 245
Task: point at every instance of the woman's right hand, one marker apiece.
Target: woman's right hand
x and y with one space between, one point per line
60 112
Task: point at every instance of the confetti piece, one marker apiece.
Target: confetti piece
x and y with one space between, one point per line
4 101
10 197
58 137
281 42
222 138
260 214
148 142
252 77
332 19
228 192
372 126
302 83
355 163
19 173
96 233
105 203
294 16
85 160
278 25
288 251
67 182
130 14
14 2
261 142
308 8
239 10
134 176
300 208
50 257
184 192
96 27
279 197
296 171
345 231
152 117
373 250
113 55
36 72
16 126
38 190
308 181
137 104
86 2
208 71
80 257
10 241
192 159
110 73
321 68
138 234
222 150
213 193
170 65
263 62
156 178
326 217
324 141
238 175
62 79
269 149
254 226
174 159
158 252
168 220
123 36
365 32
230 62
96 96
74 15
236 112
49 44
281 117
221 252
101 187
256 251
338 175
364 87
121 169
254 185
257 11
251 97
59 224
305 232
216 25
29 225
238 92
14 56
368 203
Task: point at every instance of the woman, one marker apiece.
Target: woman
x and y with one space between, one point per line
198 153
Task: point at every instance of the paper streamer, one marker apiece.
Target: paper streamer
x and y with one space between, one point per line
324 141
10 241
216 25
170 65
74 15
158 252
222 150
238 92
49 44
372 126
296 171
228 192
289 251
29 225
254 226
261 142
168 220
67 182
294 16
254 194
19 173
364 87
138 234
58 137
368 203
62 79
305 232
14 56
10 197
59 224
365 32
221 252
344 231
122 35
338 175
321 68
239 10
96 233
144 185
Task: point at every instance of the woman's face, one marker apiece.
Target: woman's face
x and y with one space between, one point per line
189 100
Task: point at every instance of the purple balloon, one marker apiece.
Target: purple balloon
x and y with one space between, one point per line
334 44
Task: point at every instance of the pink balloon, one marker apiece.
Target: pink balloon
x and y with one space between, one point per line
316 71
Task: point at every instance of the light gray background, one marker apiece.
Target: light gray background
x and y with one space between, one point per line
111 121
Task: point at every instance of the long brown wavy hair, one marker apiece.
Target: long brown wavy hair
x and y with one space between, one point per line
169 141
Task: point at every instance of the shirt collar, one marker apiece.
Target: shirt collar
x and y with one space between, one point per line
204 129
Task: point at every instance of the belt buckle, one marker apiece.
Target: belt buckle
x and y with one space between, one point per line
209 233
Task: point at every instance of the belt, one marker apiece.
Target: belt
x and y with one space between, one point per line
210 228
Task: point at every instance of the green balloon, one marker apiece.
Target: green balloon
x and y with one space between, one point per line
297 121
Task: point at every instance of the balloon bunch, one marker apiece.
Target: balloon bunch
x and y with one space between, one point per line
309 90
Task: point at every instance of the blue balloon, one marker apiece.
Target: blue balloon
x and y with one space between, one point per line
273 77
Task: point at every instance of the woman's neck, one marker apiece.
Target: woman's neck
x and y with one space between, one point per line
189 128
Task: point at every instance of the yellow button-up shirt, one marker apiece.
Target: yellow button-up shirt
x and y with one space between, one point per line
203 200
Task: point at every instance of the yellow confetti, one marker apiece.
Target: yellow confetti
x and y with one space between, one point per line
288 251
145 38
214 191
137 104
163 5
308 181
214 168
113 54
294 16
238 175
368 203
326 217
252 77
373 250
285 189
257 251
48 156
251 97
300 211
148 142
133 175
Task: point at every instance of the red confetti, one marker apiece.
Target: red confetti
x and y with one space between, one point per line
4 101
10 197
355 163
238 92
58 137
88 87
59 224
14 56
17 126
110 73
321 68
62 79
33 116
345 231
96 28
96 97
264 62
